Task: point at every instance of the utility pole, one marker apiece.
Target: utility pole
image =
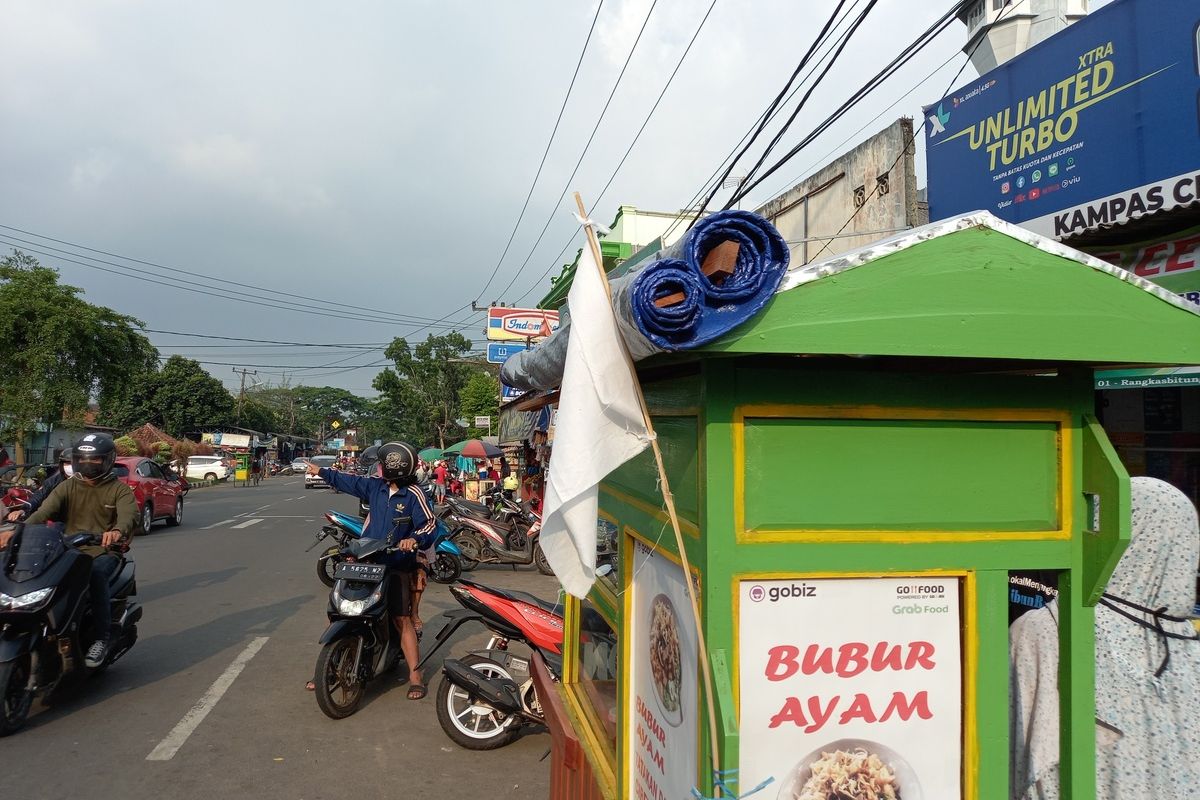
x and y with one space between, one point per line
242 391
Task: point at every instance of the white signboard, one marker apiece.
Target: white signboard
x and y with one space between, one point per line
483 422
664 694
851 679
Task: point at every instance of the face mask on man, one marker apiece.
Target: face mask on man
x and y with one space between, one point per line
68 470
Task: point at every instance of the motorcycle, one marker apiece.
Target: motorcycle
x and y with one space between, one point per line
484 541
45 614
361 643
487 697
445 567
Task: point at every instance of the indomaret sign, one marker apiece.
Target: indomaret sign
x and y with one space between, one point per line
520 324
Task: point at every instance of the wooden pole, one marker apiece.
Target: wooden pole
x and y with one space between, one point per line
669 499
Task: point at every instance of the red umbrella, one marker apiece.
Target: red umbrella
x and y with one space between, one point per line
474 448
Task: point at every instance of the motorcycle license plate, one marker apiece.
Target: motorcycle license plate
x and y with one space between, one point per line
359 572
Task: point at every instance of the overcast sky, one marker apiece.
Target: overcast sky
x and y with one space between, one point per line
377 153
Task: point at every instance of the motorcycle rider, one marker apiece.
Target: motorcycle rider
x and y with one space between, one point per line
92 500
400 514
62 471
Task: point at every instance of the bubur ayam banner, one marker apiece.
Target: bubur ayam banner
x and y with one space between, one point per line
1095 126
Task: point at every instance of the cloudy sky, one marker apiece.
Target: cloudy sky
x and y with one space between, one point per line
375 155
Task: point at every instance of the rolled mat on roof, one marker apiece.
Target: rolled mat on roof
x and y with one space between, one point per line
672 304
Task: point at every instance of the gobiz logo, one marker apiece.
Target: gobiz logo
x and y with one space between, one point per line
937 122
777 593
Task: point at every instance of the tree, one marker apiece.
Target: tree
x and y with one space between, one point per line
424 387
179 398
481 398
59 351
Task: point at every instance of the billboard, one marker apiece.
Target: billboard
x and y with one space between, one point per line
1097 125
520 324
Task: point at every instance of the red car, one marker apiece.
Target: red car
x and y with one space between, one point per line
159 495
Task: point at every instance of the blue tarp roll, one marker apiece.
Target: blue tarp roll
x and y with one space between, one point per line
706 313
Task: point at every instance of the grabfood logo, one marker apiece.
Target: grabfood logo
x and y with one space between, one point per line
758 593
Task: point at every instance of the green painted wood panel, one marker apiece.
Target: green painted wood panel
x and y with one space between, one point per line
638 477
947 475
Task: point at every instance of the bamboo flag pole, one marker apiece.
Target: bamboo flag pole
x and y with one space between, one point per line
669 499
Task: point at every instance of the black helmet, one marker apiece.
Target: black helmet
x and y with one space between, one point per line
62 455
369 458
93 455
398 461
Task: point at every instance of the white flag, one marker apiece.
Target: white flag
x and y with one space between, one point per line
598 428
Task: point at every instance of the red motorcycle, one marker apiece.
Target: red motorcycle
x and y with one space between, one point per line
487 697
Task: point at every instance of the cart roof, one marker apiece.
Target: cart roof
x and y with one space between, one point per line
972 286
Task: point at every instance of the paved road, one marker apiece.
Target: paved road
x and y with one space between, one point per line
233 575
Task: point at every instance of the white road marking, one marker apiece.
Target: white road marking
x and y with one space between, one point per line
218 524
248 523
174 740
281 516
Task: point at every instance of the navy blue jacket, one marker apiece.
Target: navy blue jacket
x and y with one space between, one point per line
404 515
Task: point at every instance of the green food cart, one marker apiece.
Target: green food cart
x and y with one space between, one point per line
859 471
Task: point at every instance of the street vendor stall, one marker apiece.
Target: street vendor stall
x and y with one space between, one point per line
858 471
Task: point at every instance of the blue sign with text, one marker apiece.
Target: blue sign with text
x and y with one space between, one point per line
498 352
1097 125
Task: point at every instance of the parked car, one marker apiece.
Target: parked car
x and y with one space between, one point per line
311 481
208 468
298 466
158 496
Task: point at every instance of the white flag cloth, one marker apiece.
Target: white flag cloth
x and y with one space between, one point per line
598 428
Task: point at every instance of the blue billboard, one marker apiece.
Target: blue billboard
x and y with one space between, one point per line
1095 126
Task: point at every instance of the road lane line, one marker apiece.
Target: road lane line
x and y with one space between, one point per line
174 740
218 524
248 523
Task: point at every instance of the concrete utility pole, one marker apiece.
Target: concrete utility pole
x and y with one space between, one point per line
242 391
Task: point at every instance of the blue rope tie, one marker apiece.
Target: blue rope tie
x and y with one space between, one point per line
727 791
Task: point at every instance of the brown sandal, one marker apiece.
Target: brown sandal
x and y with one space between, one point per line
417 692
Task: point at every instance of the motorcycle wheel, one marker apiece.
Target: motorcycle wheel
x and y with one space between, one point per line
539 560
445 568
17 699
471 547
338 691
326 566
475 726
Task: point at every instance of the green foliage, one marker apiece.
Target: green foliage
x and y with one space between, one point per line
481 397
126 446
59 350
424 388
179 398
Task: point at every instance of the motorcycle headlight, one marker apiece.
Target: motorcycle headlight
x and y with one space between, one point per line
26 601
354 608
351 608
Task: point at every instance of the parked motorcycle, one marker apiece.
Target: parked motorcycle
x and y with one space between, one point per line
445 566
487 697
489 541
45 616
361 643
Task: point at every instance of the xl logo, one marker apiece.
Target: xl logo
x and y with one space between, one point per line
938 121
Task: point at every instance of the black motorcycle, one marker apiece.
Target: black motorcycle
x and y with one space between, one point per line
360 643
45 616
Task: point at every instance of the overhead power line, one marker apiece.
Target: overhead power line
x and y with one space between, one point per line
545 153
873 83
596 201
554 211
210 280
779 100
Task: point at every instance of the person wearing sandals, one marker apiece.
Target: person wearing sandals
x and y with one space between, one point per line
401 514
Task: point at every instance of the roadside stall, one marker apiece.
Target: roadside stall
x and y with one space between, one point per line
857 470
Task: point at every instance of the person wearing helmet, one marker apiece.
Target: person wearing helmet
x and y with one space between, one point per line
400 514
93 500
61 471
368 461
